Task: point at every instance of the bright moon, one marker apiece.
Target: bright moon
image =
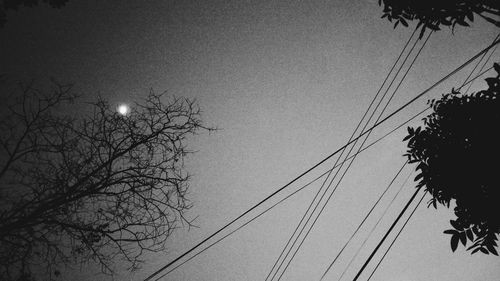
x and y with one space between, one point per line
123 109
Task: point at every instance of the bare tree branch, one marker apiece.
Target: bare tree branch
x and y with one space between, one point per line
98 187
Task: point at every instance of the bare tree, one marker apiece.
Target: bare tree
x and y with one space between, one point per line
96 187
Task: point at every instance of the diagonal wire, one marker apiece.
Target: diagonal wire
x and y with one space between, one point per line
397 235
349 152
365 240
453 72
296 191
371 232
373 228
317 178
368 214
387 233
479 62
340 156
349 165
463 84
392 226
485 62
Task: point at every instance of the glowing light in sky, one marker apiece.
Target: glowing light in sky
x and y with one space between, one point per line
123 109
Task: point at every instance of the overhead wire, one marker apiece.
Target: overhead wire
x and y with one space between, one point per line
296 191
368 214
366 217
373 228
387 233
340 156
357 127
495 41
326 158
485 62
466 81
352 160
317 178
479 62
397 235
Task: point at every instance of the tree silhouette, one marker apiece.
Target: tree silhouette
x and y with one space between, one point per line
457 152
99 187
15 4
431 14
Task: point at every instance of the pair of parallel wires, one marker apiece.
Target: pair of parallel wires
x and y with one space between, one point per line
323 202
170 264
466 82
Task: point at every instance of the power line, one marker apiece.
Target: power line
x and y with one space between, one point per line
357 252
326 158
392 226
350 163
485 62
387 234
368 214
296 191
366 217
317 178
463 84
373 229
397 235
335 175
479 62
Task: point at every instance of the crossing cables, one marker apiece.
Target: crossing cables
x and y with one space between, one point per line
171 263
270 275
350 150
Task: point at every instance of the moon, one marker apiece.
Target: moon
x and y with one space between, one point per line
123 109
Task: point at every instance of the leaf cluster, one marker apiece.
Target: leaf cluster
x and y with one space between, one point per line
433 14
457 152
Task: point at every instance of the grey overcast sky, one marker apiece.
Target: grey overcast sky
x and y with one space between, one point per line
286 81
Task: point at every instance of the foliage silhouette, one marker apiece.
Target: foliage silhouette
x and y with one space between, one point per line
457 153
431 14
99 187
15 4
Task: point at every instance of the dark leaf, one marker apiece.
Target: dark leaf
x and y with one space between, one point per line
492 249
454 242
473 246
470 16
434 27
475 250
403 22
420 166
470 235
450 231
491 82
475 230
484 251
419 176
422 31
455 224
463 238
496 66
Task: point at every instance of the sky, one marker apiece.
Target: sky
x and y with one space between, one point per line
286 82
